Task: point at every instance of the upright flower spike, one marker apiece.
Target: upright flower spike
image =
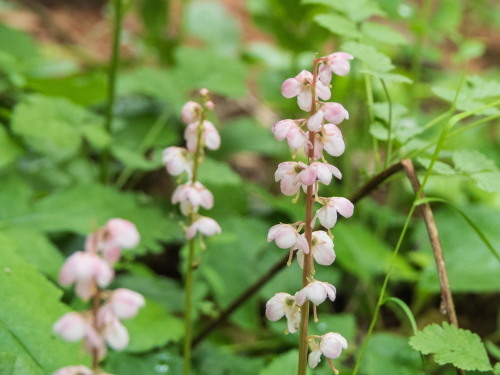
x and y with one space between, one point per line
90 271
315 134
199 134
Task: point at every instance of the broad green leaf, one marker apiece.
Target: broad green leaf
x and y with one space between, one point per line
439 167
218 29
135 160
83 208
382 33
337 25
30 307
156 363
376 61
11 364
488 181
153 327
363 254
9 149
15 195
389 354
356 10
473 162
53 126
283 364
215 172
218 360
449 344
17 43
471 266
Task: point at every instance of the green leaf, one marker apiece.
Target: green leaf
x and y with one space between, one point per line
30 307
488 181
382 33
338 25
9 149
356 10
376 61
473 162
450 344
17 43
283 364
52 126
215 172
133 159
157 363
222 361
82 208
439 167
218 29
389 354
11 364
153 327
388 77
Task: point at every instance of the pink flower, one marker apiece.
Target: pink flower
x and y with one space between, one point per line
330 345
283 304
289 130
327 214
333 142
203 225
287 237
71 327
316 292
335 112
318 171
315 121
125 303
322 249
191 112
288 175
177 160
300 86
209 136
74 370
122 233
112 330
192 196
337 63
87 270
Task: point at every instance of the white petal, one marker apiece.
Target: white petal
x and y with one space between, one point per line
314 358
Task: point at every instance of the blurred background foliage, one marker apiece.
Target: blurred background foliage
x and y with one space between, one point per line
409 59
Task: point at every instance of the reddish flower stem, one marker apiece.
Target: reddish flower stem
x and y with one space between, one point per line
306 273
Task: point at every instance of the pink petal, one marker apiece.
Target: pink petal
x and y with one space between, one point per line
308 175
314 358
327 216
296 138
343 206
323 91
126 303
341 67
304 99
316 293
290 185
275 307
291 88
116 335
286 237
71 327
315 121
280 129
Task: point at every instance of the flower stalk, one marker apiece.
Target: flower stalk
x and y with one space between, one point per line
314 135
192 195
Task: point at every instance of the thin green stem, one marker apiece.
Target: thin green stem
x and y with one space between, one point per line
370 101
112 73
148 140
389 126
188 329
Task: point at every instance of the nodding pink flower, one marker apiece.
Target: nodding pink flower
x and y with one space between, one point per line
283 304
300 86
177 161
327 214
112 330
316 292
333 143
209 136
287 237
288 175
322 249
191 196
74 370
335 112
203 225
337 63
191 112
71 327
330 345
122 233
318 171
315 121
289 130
87 270
125 303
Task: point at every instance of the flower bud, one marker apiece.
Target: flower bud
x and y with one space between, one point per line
125 303
71 327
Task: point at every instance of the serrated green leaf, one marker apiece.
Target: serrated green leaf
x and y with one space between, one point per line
473 162
153 327
383 33
450 344
337 25
375 60
488 181
9 149
53 126
30 307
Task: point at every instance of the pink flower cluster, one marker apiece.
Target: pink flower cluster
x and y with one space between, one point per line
89 271
192 195
315 134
